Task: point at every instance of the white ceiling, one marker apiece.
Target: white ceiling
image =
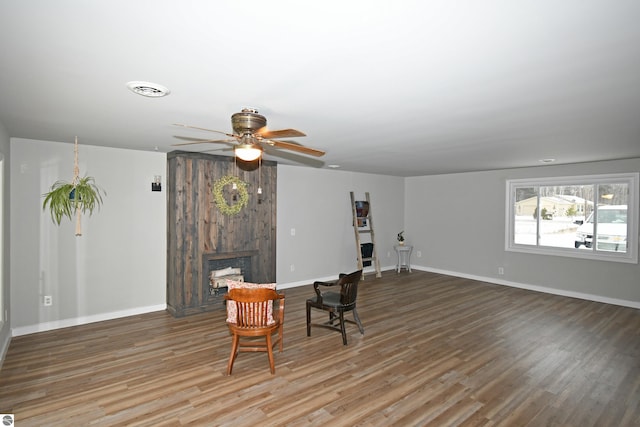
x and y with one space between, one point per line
391 87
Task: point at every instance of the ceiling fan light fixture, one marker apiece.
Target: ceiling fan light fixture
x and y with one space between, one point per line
248 152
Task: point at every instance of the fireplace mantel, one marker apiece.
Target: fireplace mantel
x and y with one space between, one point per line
227 255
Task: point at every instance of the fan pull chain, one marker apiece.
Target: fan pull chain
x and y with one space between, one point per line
260 180
234 186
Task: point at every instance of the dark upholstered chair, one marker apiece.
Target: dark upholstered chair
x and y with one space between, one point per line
336 303
254 316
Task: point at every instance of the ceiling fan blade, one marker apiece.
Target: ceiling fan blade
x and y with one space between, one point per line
293 157
216 149
282 133
189 138
207 130
295 147
202 141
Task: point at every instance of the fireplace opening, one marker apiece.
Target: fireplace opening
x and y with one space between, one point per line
234 266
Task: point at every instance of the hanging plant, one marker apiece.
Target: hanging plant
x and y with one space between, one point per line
221 202
65 199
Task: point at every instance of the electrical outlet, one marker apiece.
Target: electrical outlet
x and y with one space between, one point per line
293 231
501 270
388 254
419 254
293 267
48 300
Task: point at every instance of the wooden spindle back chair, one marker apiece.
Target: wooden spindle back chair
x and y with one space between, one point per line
255 317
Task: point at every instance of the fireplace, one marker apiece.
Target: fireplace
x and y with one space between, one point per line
197 232
218 261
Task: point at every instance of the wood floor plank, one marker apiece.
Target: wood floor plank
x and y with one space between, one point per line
437 351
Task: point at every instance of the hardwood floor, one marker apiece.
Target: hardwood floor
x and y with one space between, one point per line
437 350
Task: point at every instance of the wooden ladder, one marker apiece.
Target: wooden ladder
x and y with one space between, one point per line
363 225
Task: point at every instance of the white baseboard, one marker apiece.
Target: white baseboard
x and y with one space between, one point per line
58 324
365 271
4 345
48 326
536 288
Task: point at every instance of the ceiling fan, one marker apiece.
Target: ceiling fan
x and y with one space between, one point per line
250 135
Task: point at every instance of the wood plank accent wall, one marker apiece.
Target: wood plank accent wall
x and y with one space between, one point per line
197 230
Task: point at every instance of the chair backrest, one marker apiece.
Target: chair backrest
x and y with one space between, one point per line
253 306
349 287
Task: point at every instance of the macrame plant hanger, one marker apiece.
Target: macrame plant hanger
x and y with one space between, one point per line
66 198
76 196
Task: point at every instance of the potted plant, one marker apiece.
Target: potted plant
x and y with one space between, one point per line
401 238
65 199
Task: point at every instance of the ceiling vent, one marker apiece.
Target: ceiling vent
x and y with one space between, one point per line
151 90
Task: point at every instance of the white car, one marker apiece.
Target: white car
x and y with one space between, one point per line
611 230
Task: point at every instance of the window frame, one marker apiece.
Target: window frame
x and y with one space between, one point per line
631 179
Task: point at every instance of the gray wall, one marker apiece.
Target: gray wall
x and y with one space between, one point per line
316 203
119 266
5 315
116 268
458 222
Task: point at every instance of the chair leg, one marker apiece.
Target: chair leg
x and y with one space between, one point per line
357 318
342 328
270 354
280 336
234 353
308 320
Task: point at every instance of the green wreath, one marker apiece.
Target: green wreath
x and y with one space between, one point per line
219 185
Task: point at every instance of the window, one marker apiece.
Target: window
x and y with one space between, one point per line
594 217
